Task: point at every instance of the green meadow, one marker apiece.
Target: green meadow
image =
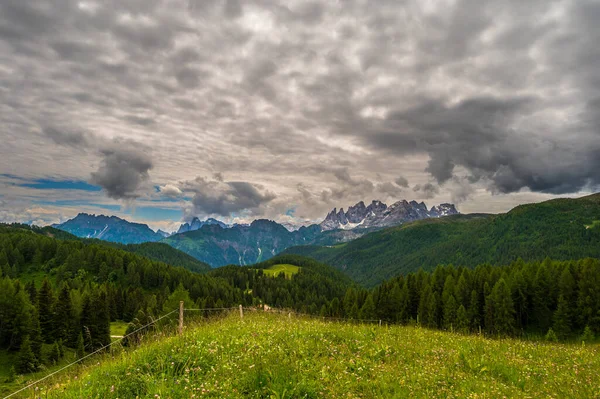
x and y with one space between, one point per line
275 270
274 356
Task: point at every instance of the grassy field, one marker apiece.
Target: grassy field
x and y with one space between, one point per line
271 356
275 270
118 328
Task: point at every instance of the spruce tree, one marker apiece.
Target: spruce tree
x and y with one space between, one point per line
541 299
35 334
588 335
450 312
462 319
64 317
45 304
561 319
504 312
367 311
551 336
26 361
80 347
30 288
474 313
54 355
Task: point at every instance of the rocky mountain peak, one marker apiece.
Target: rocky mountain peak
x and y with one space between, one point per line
378 214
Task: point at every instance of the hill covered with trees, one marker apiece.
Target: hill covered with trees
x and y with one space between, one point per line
63 293
561 229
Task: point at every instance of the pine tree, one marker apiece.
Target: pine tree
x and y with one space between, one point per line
541 299
30 288
35 334
367 312
561 318
474 312
450 312
588 335
45 304
64 317
180 294
26 361
462 319
54 355
504 312
335 307
551 336
80 347
432 311
423 309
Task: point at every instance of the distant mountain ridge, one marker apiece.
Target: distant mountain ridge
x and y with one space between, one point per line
378 214
109 228
217 243
560 229
240 244
196 224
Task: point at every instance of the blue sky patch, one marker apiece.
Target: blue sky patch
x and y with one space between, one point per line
48 184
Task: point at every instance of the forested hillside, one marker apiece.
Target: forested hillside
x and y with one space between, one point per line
509 300
560 229
64 293
313 288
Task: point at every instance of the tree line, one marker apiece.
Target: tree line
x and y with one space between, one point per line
558 298
63 294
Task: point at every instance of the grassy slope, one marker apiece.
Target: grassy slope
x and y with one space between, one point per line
555 229
288 269
273 356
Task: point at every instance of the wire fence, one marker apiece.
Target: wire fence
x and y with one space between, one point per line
181 311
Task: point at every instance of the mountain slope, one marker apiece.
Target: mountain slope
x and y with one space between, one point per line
560 229
109 228
240 245
162 252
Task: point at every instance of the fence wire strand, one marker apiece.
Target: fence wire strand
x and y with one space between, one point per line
273 310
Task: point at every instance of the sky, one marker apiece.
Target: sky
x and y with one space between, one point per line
161 110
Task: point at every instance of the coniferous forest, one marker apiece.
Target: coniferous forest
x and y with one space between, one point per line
64 293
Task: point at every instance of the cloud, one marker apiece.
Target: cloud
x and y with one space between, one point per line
499 96
123 170
401 181
214 197
170 191
427 190
66 137
124 167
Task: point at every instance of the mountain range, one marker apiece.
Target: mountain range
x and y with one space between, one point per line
196 224
561 229
109 228
218 244
378 214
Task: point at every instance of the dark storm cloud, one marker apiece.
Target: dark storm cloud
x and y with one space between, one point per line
123 170
216 197
124 166
427 190
401 181
497 95
482 135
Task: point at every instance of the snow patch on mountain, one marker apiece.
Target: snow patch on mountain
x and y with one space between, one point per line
378 214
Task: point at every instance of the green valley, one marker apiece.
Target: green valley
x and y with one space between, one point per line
555 229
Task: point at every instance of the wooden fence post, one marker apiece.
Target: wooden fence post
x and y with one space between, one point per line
241 312
379 323
180 317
